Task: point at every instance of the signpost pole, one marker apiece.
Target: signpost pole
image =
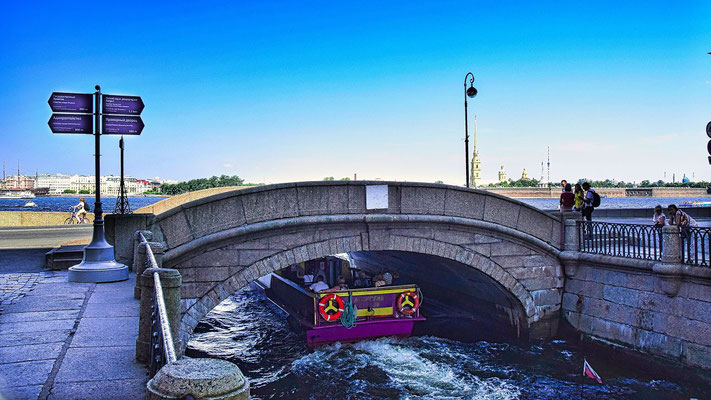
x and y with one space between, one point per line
122 205
98 264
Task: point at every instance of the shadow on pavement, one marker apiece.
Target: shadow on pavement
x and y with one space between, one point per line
22 260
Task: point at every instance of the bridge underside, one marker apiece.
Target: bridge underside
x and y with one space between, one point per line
462 303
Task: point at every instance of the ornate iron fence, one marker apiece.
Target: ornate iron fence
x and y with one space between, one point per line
695 246
162 348
620 240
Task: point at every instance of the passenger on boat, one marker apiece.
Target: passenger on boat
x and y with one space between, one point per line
321 271
319 285
308 276
340 286
379 280
396 278
388 278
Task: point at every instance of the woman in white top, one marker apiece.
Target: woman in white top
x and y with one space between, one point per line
659 218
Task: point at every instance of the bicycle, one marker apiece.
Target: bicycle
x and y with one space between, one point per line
74 219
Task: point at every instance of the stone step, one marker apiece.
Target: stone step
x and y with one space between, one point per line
64 257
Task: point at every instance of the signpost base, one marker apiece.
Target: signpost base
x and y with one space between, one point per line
98 264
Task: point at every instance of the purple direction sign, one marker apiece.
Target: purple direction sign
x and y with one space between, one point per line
71 102
71 123
117 125
126 105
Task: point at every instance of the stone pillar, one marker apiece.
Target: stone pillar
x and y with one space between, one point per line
670 269
136 242
171 281
142 262
202 378
570 230
119 230
671 244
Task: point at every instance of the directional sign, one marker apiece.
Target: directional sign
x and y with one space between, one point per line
70 123
708 129
117 125
126 105
71 102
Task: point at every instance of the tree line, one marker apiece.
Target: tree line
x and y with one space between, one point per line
203 183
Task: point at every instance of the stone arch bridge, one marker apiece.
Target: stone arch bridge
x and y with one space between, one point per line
223 242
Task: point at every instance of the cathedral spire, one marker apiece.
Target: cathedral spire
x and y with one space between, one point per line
475 177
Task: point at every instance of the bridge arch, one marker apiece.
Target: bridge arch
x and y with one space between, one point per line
222 243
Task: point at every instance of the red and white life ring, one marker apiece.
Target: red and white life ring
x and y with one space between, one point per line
407 303
328 310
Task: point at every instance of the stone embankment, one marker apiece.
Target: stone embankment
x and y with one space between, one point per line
554 192
36 218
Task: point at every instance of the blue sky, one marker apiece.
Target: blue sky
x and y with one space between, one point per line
288 91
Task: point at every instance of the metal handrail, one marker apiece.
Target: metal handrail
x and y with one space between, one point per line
621 240
696 246
162 348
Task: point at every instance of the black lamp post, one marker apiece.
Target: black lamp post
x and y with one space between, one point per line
470 92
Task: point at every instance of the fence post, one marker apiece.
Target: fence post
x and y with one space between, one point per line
202 378
670 269
136 242
142 262
171 281
572 242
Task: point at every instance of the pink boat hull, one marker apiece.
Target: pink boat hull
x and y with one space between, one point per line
401 327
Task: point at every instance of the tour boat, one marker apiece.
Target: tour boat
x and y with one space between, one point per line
347 315
16 194
695 204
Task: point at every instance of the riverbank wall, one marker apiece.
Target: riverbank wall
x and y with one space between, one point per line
36 218
554 192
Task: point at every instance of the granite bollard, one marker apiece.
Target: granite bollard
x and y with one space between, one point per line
202 378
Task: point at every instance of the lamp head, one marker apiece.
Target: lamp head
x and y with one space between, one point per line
472 92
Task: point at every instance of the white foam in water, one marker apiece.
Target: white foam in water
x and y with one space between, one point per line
409 369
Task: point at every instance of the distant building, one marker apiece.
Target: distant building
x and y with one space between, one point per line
524 175
502 174
19 182
110 185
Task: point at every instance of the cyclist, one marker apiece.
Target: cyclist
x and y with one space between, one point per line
80 210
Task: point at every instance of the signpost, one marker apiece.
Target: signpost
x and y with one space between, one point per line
74 116
708 146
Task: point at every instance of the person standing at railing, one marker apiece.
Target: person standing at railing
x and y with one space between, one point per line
579 195
567 198
680 218
683 221
588 200
659 218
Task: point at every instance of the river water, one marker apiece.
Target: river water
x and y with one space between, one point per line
62 203
251 332
620 202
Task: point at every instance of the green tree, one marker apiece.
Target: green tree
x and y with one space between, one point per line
329 178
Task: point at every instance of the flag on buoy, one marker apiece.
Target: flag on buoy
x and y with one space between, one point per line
590 372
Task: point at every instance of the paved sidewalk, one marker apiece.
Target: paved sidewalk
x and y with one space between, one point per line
61 340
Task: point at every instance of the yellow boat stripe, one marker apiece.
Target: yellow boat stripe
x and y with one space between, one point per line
375 312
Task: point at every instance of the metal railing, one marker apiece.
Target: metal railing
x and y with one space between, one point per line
621 240
695 246
162 348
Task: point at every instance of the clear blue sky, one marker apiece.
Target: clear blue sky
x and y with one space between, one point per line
286 91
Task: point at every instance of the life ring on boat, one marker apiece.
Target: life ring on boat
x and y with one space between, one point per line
328 310
407 303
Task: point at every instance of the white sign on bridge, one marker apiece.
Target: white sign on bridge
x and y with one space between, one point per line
376 197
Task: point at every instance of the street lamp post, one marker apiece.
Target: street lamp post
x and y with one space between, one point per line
468 92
